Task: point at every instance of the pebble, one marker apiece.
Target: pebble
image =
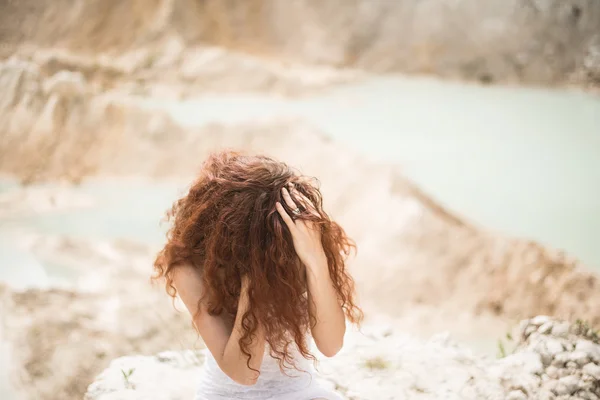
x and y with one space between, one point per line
561 329
523 325
516 395
561 389
571 365
545 328
545 395
560 360
546 358
592 370
529 330
588 347
554 346
579 357
567 385
540 320
552 372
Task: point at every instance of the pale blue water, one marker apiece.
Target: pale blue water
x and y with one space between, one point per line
121 210
521 161
525 162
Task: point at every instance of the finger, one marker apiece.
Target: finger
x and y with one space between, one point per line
305 201
284 215
288 199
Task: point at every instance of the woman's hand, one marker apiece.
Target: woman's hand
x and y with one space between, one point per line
306 235
328 326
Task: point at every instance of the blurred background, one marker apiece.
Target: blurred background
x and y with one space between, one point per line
458 142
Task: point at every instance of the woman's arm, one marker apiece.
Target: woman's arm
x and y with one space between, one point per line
330 324
221 338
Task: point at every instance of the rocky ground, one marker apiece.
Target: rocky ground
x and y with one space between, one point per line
549 359
552 42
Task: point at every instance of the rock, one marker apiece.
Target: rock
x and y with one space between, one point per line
592 370
550 386
567 385
439 366
529 329
560 360
516 395
545 395
546 358
540 320
552 372
523 328
561 329
564 372
546 328
146 377
579 357
591 349
571 365
554 346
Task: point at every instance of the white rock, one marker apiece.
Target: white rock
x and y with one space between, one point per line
561 389
546 358
550 386
561 329
545 395
552 372
540 320
516 395
523 325
147 377
554 346
571 365
567 385
560 360
546 328
588 395
592 370
579 357
590 348
529 329
526 362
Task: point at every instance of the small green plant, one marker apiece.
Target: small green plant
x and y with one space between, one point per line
126 375
376 363
501 349
582 327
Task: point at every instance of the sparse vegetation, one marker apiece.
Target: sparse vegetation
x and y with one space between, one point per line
584 327
501 349
126 375
376 363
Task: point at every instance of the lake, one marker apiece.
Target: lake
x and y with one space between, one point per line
525 162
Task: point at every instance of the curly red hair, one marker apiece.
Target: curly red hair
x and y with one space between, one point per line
227 227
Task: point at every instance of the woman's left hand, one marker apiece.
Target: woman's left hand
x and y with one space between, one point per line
306 235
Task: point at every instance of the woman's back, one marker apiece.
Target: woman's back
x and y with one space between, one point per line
296 384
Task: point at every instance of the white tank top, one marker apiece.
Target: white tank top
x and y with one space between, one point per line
272 384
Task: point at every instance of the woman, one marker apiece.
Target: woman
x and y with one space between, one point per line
260 267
